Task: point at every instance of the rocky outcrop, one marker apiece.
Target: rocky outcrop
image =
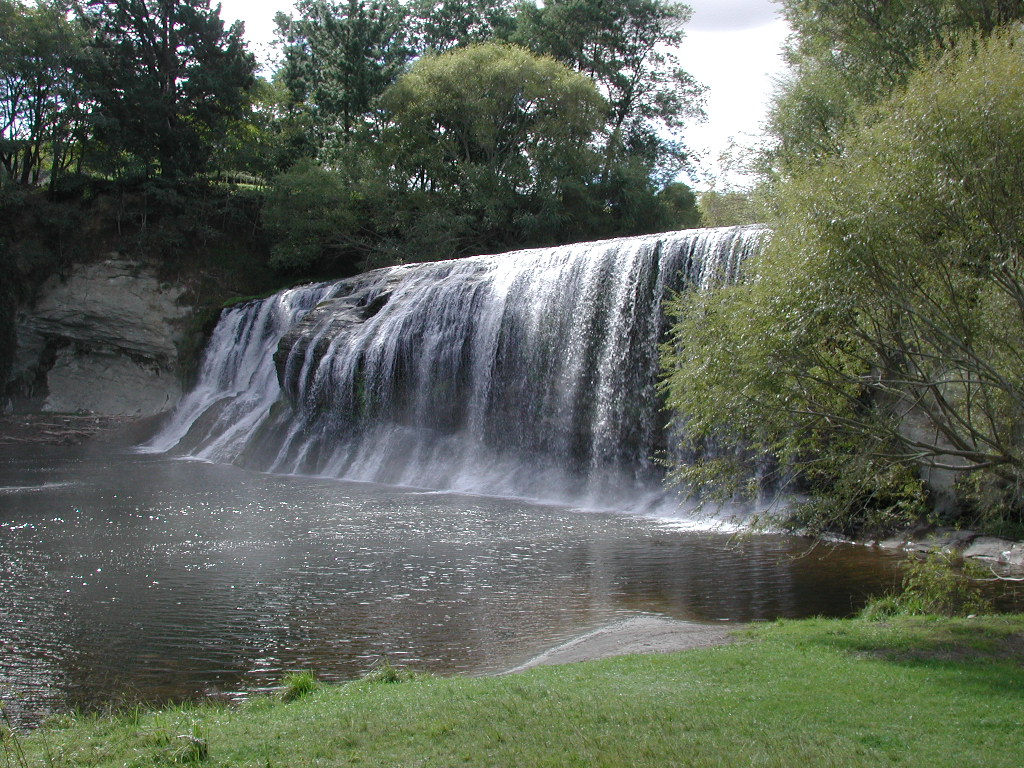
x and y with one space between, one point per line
986 549
104 339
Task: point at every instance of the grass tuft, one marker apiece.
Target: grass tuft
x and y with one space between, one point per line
383 671
297 684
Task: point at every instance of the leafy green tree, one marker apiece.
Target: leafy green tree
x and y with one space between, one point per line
267 140
883 332
844 55
730 208
678 205
496 133
445 24
628 48
310 214
338 58
168 79
41 110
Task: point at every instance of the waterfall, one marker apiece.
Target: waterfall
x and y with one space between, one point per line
530 373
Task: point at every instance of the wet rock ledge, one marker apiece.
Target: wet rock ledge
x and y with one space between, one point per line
987 550
64 429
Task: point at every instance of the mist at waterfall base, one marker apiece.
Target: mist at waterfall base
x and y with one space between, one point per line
352 476
531 374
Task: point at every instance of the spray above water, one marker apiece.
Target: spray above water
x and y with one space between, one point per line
528 374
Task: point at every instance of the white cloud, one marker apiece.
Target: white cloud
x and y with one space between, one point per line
739 67
722 15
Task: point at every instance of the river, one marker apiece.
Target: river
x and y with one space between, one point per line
137 577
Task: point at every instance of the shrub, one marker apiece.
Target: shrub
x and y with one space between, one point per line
937 584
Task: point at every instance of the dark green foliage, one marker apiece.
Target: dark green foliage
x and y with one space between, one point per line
444 24
268 139
42 115
937 584
678 207
882 331
167 78
312 217
8 305
338 58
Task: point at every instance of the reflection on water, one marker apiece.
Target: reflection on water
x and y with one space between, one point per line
135 576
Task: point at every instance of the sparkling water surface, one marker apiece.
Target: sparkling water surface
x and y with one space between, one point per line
128 576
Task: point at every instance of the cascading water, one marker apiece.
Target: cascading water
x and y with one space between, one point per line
530 373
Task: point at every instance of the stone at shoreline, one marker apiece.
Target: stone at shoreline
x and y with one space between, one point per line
947 540
1000 551
968 544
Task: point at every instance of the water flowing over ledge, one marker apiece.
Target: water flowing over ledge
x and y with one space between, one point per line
527 374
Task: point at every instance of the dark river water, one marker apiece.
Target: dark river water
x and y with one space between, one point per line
128 577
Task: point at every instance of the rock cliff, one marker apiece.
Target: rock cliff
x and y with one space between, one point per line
103 339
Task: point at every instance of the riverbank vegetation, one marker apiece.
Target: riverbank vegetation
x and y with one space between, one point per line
875 347
907 691
384 132
418 131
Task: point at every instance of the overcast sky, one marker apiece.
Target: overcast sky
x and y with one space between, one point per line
732 46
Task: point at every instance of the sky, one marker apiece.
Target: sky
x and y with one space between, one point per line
734 48
731 46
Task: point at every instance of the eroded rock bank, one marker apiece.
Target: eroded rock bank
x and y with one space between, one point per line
1001 554
104 339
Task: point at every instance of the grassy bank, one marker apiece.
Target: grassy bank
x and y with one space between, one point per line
935 692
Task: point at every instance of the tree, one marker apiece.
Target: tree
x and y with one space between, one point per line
445 24
627 48
268 139
729 208
495 132
168 79
845 55
678 207
338 58
41 111
882 332
310 214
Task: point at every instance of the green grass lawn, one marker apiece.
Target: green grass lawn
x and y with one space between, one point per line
805 694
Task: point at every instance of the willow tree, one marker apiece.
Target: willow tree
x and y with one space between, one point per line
496 140
880 337
844 55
